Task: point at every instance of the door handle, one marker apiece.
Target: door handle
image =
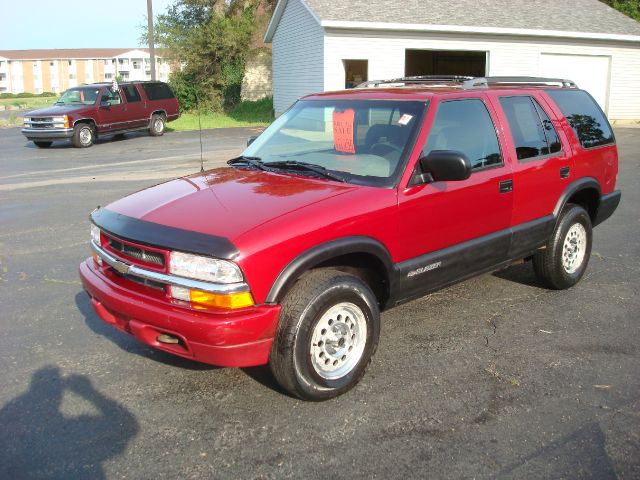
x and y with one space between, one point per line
506 186
564 172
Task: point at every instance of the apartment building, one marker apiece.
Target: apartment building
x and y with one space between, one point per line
37 71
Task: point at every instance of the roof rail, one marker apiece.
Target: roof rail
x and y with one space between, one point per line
468 82
484 82
431 80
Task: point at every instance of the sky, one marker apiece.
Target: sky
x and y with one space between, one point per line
35 24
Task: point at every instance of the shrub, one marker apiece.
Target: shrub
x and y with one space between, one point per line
254 111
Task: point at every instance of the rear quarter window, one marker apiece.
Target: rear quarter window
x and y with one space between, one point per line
585 117
157 91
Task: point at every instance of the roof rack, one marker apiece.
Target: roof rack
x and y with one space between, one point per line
427 80
468 82
484 82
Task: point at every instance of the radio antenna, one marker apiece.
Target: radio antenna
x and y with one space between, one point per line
200 133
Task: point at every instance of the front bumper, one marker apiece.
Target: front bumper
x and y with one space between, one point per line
47 133
229 339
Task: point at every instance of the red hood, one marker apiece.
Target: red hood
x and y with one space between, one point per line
226 202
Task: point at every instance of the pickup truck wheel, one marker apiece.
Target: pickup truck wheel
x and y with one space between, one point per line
157 125
328 331
82 135
40 144
564 260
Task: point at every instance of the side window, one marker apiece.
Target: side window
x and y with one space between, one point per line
465 126
131 93
157 91
549 130
532 131
585 117
111 96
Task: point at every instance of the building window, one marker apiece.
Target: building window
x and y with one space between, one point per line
106 62
108 76
3 77
124 75
123 61
70 63
137 64
72 76
52 64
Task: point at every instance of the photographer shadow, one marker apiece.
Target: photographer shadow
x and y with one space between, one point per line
38 441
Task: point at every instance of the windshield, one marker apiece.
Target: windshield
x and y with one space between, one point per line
366 140
84 96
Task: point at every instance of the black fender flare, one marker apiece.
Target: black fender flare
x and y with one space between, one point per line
573 188
326 251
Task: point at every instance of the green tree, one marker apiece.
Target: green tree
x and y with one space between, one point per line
210 40
630 8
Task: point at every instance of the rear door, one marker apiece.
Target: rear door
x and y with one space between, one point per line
137 106
542 166
451 230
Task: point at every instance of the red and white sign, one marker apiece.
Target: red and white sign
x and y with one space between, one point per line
343 130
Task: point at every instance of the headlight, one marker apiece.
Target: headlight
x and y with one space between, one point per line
59 119
26 119
204 268
95 234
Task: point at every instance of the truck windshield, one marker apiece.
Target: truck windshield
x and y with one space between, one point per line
84 96
366 141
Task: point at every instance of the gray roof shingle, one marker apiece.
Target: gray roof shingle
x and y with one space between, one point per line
587 16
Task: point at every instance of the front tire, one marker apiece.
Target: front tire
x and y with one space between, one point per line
328 331
157 125
83 135
564 260
41 144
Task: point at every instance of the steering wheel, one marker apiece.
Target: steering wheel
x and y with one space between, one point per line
383 148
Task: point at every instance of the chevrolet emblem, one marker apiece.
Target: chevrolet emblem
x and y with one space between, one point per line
121 267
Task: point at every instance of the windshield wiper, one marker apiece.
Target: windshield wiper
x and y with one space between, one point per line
310 167
255 162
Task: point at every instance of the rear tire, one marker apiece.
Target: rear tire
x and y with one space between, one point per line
157 125
41 144
328 331
564 260
83 135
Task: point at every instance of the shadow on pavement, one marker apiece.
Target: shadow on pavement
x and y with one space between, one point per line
521 273
38 441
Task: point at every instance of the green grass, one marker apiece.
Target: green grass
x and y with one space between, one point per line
246 114
30 103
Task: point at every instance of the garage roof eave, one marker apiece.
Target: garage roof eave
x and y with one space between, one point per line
409 27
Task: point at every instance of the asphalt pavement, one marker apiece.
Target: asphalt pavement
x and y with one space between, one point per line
495 377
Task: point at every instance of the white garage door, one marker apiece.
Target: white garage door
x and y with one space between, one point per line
591 73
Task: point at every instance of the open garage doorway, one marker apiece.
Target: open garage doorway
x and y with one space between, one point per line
445 62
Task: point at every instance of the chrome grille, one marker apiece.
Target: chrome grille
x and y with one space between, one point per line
142 281
40 122
137 253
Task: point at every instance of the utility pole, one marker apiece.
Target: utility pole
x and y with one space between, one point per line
152 49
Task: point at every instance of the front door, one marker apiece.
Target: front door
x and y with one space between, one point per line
113 117
451 230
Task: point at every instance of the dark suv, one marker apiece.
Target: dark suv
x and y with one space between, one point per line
87 112
350 203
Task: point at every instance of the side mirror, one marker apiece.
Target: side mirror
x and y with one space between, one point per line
251 139
443 166
105 104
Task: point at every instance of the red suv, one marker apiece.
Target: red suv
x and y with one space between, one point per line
350 203
84 113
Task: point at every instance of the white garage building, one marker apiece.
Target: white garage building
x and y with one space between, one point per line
329 45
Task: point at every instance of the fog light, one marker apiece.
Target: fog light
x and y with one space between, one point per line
96 258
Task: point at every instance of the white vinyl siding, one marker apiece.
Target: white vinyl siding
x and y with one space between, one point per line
297 56
507 55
